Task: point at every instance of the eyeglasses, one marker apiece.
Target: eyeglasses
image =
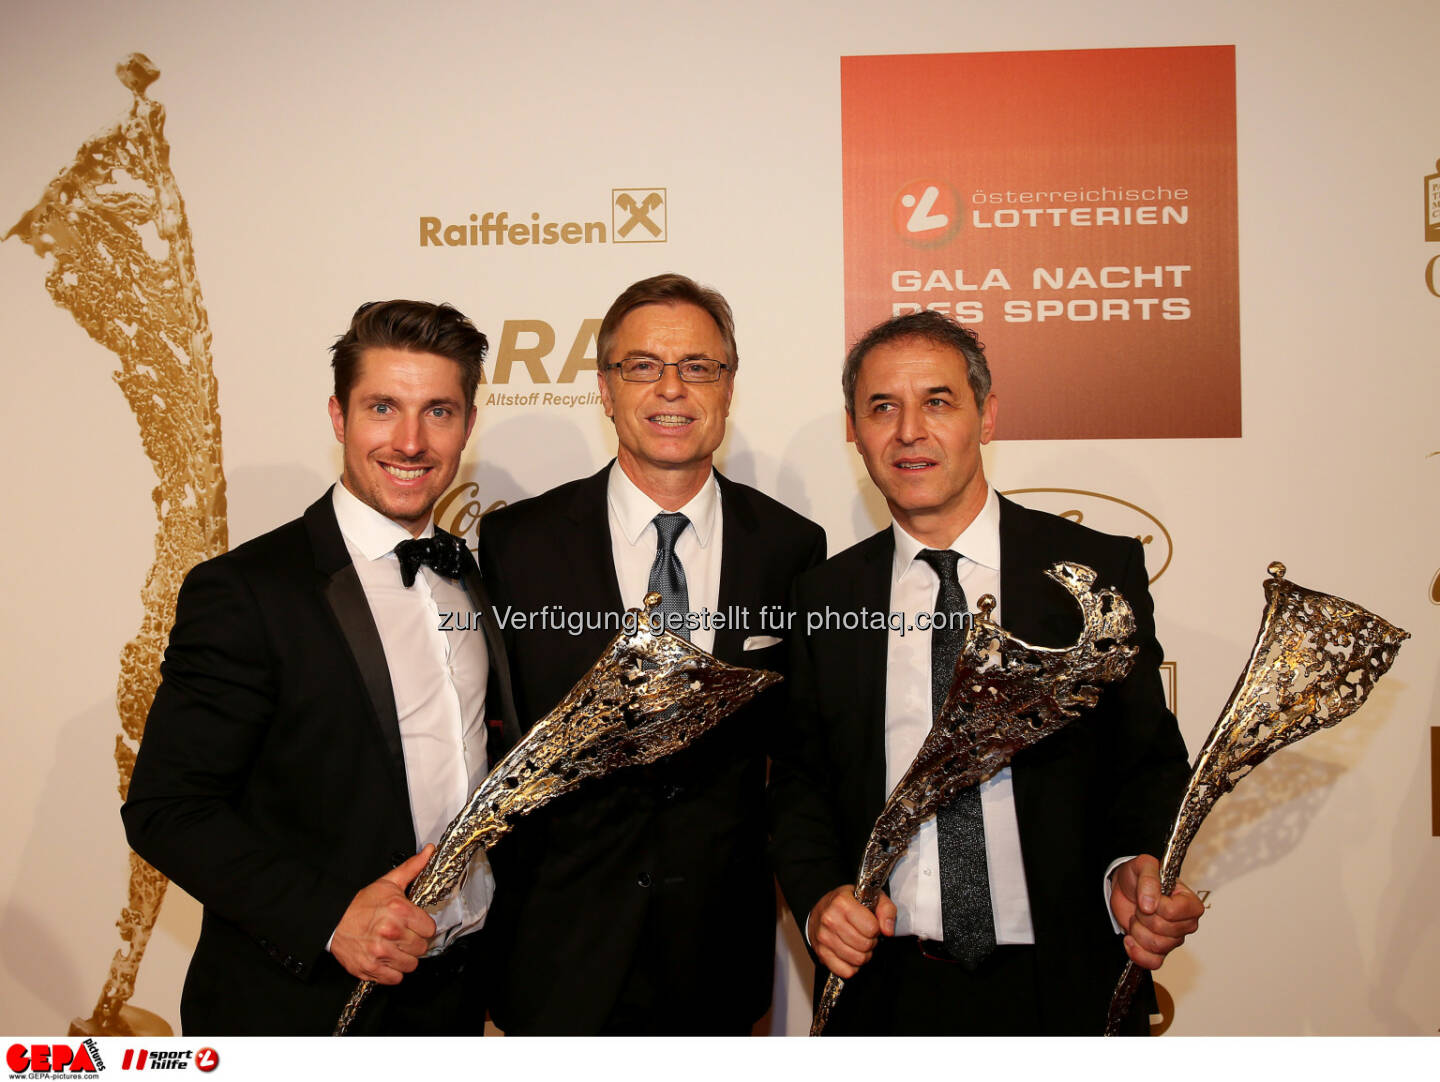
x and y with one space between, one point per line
690 370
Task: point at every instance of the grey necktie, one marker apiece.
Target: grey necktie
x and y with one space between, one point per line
965 912
667 577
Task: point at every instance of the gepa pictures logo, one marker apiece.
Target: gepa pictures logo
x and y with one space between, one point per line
61 1059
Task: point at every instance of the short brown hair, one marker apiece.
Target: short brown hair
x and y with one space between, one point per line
668 289
932 327
412 326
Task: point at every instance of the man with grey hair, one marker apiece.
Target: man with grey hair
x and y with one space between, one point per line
611 894
1016 905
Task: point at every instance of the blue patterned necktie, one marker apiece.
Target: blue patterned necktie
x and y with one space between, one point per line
965 912
667 577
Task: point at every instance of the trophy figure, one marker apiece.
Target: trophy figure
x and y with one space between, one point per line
96 226
1315 661
650 694
1006 694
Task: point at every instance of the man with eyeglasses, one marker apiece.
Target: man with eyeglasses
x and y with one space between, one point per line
614 896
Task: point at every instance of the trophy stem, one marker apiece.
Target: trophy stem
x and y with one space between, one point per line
352 1008
833 987
1182 833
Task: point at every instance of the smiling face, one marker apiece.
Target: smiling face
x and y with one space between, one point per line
403 431
668 430
919 432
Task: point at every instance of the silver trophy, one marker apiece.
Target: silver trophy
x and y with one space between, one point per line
650 694
1006 695
1315 661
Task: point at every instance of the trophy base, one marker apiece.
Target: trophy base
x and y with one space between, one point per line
133 1022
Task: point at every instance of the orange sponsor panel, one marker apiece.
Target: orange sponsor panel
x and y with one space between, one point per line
1077 208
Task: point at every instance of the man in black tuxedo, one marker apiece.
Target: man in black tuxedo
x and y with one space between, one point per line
613 895
996 919
314 727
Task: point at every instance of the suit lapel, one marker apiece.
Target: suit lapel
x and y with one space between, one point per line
346 598
1039 611
1033 606
589 550
870 591
1021 574
498 689
741 539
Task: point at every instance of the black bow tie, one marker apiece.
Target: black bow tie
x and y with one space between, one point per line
444 553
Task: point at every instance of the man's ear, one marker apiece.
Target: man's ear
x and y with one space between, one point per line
337 419
988 413
605 394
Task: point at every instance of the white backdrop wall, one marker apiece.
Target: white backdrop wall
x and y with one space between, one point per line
310 139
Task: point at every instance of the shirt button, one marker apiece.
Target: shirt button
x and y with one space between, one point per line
643 879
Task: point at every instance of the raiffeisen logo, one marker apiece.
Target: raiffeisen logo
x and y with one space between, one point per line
636 216
926 212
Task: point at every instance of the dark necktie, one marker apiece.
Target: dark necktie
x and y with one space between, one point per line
965 911
667 577
443 554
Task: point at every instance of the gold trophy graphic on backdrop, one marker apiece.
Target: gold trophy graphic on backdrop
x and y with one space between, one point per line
1315 661
650 694
1006 694
97 226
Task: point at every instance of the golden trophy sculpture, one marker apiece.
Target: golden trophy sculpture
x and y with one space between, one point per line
650 694
113 230
1006 695
1315 661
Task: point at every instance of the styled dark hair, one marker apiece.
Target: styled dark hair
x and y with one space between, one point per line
413 326
933 327
668 289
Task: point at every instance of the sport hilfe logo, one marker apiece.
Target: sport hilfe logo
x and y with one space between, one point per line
54 1059
142 1059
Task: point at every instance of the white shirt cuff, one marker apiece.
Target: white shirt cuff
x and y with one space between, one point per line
1107 887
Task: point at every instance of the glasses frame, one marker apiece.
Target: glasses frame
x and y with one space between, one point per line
724 366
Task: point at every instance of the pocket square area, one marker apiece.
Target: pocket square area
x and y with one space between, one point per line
759 642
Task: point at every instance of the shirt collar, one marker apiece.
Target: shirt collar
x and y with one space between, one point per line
979 542
634 510
366 529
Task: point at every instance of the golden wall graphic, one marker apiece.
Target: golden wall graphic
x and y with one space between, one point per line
112 229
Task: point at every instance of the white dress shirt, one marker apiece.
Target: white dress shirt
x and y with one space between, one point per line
915 882
633 538
439 680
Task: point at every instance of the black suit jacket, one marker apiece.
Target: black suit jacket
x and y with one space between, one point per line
1104 787
657 863
270 783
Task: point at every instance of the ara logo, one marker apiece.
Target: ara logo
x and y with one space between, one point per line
638 215
27 1059
926 212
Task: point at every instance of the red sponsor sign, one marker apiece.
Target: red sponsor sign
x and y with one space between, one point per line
1077 209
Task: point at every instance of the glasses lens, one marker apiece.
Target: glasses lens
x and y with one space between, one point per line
648 370
699 370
